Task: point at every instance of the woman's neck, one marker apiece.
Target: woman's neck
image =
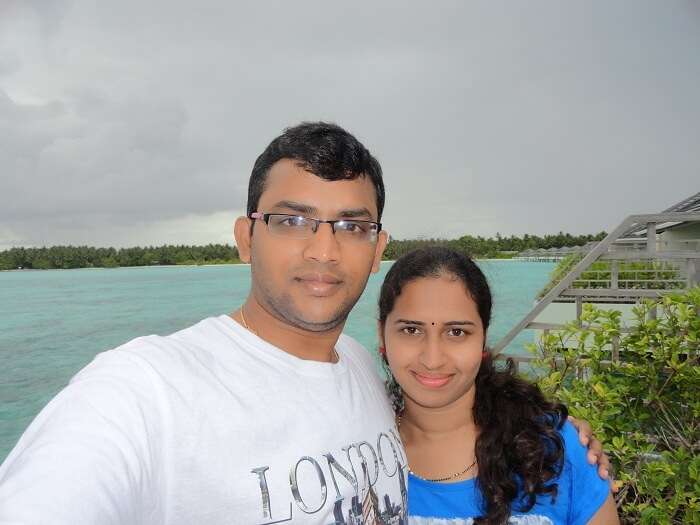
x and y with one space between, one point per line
440 442
420 422
434 423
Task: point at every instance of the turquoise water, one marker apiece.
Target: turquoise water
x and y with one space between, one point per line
53 322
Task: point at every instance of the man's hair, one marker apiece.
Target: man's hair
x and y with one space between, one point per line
321 148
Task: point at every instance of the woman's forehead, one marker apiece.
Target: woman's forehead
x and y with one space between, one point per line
438 297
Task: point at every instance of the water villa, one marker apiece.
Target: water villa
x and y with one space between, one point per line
646 256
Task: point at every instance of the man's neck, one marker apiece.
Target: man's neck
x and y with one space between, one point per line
304 344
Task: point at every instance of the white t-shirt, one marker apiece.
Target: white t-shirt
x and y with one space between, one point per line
211 425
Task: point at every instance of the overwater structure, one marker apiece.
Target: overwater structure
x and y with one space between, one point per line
646 256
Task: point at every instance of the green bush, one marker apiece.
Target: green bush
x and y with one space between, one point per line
644 404
650 275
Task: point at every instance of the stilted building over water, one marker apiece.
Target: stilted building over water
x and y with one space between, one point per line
646 256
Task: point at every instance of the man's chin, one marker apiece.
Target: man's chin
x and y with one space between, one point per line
318 323
309 314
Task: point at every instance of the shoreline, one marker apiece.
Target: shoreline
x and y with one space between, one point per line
194 265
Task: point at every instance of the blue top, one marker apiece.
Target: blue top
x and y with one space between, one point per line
581 492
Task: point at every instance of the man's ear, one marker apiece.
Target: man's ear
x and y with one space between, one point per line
242 233
382 241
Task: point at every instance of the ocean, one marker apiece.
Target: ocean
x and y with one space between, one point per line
53 322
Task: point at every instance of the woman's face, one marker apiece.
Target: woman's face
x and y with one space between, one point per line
434 339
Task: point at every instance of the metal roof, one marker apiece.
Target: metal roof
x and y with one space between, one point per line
690 205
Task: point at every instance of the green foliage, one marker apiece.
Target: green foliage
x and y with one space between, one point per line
638 387
64 257
649 275
560 271
498 247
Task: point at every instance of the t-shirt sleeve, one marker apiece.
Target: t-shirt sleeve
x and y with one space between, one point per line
87 456
588 490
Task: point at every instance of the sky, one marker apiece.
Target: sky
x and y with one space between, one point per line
132 123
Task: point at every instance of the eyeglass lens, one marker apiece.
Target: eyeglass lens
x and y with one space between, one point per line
298 227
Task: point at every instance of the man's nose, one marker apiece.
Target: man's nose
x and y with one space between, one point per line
322 246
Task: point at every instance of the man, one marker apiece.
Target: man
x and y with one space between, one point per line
269 415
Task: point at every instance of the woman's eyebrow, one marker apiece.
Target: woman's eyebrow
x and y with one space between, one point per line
423 323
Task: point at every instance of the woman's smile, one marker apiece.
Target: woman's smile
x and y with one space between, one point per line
432 380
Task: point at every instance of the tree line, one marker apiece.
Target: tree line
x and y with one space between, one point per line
65 257
493 247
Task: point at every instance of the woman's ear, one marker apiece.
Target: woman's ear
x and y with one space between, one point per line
380 336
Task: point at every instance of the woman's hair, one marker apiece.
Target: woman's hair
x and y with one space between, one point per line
519 447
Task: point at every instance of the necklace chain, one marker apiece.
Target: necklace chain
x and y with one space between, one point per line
436 480
336 357
245 323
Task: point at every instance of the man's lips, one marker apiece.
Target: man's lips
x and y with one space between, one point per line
432 380
320 277
319 284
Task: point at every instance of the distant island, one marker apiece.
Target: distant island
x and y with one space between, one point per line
67 257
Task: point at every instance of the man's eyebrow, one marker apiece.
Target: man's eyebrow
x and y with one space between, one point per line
355 213
298 207
295 206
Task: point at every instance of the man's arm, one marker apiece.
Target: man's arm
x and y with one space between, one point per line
595 449
86 458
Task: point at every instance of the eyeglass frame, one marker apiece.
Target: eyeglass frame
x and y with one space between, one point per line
265 217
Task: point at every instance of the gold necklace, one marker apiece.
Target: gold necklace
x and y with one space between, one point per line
436 480
244 321
336 357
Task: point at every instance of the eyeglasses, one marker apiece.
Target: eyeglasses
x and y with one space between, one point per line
298 227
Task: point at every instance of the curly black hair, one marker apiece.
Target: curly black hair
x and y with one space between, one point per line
519 449
322 148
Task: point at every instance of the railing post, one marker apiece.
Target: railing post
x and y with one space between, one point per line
654 312
616 348
614 275
651 238
579 309
692 273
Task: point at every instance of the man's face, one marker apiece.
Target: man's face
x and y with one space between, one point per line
312 283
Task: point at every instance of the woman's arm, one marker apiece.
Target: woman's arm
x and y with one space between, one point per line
607 513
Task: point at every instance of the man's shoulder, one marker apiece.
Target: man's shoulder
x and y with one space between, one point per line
352 348
205 333
159 352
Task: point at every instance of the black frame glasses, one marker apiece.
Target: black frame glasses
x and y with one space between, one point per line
356 229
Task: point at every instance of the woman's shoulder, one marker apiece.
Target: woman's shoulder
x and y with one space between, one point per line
587 491
574 451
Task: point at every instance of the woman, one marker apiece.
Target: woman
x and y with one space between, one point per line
482 444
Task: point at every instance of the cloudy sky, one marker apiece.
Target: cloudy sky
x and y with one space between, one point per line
131 122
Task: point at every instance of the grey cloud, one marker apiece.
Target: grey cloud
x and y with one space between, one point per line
486 116
100 156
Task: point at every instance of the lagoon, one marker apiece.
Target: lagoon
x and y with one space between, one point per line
53 322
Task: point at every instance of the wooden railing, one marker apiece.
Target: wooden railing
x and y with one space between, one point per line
664 271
